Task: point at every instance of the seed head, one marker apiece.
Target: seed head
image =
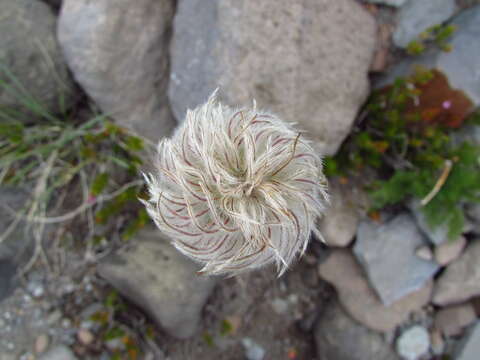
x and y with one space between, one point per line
236 189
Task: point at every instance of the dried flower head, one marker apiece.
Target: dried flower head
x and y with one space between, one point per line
236 189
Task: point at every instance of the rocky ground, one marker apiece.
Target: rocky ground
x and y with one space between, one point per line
379 288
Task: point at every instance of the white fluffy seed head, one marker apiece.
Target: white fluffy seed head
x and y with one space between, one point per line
236 189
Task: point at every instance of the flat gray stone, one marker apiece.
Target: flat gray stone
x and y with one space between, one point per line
387 253
163 282
460 66
342 270
30 52
339 337
461 279
469 348
417 16
118 52
306 61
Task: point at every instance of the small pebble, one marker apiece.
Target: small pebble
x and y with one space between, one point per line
413 343
85 337
253 351
66 323
35 289
54 317
68 288
280 306
41 343
424 252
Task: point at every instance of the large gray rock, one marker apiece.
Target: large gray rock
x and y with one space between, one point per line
460 66
387 253
360 300
118 52
461 279
417 16
307 61
30 53
339 337
155 276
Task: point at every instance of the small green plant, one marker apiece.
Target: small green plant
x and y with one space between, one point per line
76 159
437 35
406 143
110 329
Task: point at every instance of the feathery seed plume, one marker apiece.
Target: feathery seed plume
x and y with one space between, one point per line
236 189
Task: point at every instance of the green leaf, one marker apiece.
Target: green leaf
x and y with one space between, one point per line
134 143
113 333
226 327
415 47
99 184
12 131
208 339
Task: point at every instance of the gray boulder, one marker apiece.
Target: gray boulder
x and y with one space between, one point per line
31 56
387 252
118 52
307 61
156 277
339 337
